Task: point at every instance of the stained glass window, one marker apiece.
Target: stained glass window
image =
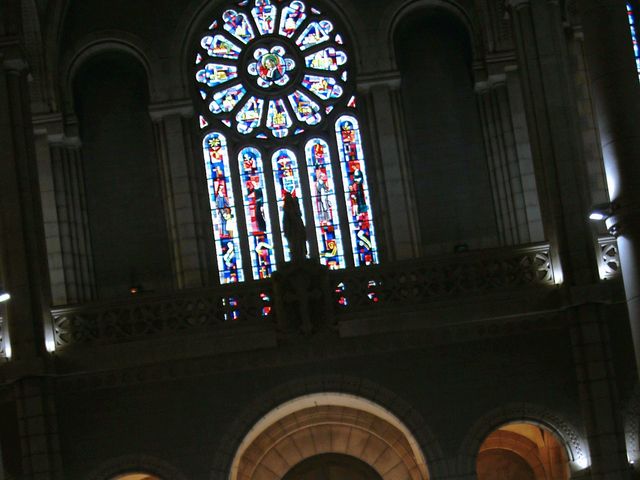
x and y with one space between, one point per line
634 37
272 85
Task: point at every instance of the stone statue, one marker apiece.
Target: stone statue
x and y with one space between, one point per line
294 229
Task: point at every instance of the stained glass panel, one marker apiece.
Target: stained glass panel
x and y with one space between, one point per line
634 36
226 100
292 16
215 74
356 190
237 24
265 16
249 116
265 91
256 212
287 180
223 210
218 46
305 109
315 34
328 59
324 202
323 87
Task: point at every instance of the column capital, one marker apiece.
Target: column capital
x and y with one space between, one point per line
184 108
390 79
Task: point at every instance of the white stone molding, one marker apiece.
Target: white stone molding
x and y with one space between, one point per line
330 390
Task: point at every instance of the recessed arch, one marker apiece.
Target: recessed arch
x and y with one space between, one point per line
108 41
398 12
136 467
332 465
572 441
328 422
281 394
522 450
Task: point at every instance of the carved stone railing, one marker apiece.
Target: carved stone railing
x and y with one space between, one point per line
145 316
608 257
418 281
345 291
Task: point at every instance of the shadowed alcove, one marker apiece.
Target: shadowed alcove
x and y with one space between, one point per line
522 451
449 168
128 232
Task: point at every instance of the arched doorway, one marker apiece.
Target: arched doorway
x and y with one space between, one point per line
136 476
343 426
332 466
522 451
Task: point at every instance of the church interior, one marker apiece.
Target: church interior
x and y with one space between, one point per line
319 240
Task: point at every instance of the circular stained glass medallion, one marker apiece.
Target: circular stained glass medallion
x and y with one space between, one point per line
270 71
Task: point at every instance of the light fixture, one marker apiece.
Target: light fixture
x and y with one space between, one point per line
4 296
601 211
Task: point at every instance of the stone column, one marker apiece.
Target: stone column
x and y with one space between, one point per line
561 175
66 225
38 430
516 203
394 186
552 118
23 260
184 192
616 95
22 249
597 388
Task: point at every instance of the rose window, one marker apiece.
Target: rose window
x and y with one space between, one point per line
278 115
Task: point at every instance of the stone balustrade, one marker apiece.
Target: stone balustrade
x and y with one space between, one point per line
608 257
352 291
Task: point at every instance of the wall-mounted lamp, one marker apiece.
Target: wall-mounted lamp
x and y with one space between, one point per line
601 211
4 296
606 212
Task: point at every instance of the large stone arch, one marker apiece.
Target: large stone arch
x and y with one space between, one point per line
573 441
108 41
398 11
328 402
141 463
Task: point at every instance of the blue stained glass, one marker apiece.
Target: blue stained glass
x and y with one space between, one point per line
249 116
315 34
256 212
237 24
223 211
324 204
305 109
634 36
218 46
215 74
323 87
278 119
292 16
226 100
265 16
328 59
287 180
356 190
